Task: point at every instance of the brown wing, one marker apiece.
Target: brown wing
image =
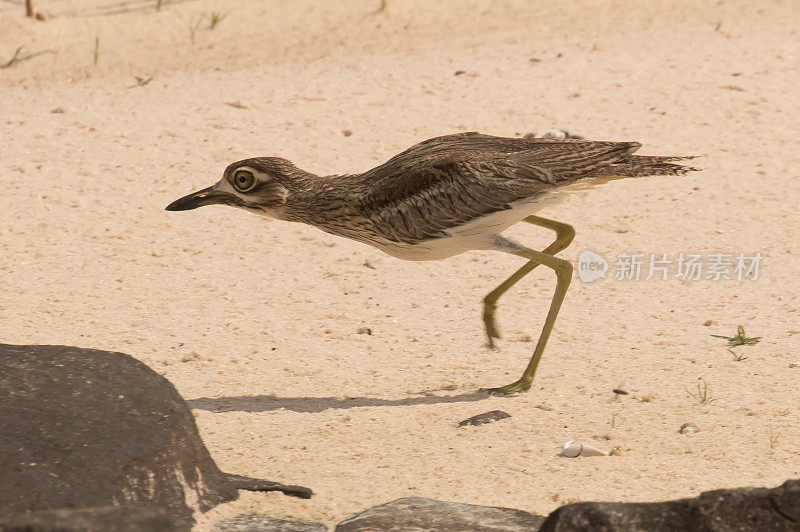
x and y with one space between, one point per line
446 181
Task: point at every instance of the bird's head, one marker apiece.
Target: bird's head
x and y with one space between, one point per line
260 185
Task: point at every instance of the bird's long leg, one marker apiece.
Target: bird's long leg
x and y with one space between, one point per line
564 235
563 270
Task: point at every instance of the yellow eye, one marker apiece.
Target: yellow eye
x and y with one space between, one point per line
243 180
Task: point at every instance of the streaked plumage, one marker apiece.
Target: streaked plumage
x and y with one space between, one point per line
430 191
440 197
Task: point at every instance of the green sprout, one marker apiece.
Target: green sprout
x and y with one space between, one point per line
739 339
215 19
703 393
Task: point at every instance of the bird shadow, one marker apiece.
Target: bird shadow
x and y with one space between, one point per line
267 403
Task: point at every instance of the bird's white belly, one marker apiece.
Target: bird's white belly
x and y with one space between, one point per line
479 233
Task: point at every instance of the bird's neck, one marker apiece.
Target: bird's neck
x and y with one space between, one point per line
314 198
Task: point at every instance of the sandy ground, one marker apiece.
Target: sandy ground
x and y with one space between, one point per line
256 321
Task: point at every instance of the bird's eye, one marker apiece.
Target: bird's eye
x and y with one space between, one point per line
243 180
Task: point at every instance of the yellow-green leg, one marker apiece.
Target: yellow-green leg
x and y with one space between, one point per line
564 235
563 271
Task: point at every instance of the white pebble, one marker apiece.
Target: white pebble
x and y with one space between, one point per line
573 449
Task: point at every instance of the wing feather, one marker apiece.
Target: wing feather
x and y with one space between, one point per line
447 181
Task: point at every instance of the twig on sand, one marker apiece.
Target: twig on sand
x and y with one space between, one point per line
30 13
19 58
141 81
13 57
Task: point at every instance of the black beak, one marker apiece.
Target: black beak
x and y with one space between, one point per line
207 196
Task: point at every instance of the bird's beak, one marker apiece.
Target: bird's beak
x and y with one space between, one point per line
207 196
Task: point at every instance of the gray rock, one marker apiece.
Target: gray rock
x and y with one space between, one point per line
486 417
85 428
262 523
418 514
126 518
743 509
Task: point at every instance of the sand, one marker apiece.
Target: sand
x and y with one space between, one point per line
256 321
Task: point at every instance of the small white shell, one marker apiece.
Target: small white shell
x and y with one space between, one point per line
588 450
556 134
572 449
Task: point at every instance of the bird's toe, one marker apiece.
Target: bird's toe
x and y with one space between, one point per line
519 386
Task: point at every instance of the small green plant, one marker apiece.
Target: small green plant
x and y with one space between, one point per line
703 393
773 438
382 5
736 357
739 339
613 420
158 5
215 19
96 49
193 27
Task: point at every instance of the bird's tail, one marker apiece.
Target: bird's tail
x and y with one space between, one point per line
644 165
634 166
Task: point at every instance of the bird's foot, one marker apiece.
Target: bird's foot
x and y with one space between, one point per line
490 342
519 386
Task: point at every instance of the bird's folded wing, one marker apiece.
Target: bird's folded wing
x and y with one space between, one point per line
445 182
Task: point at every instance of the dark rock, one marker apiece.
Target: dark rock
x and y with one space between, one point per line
486 417
743 509
262 523
421 514
257 484
126 518
85 428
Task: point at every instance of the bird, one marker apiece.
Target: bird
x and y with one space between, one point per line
442 197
